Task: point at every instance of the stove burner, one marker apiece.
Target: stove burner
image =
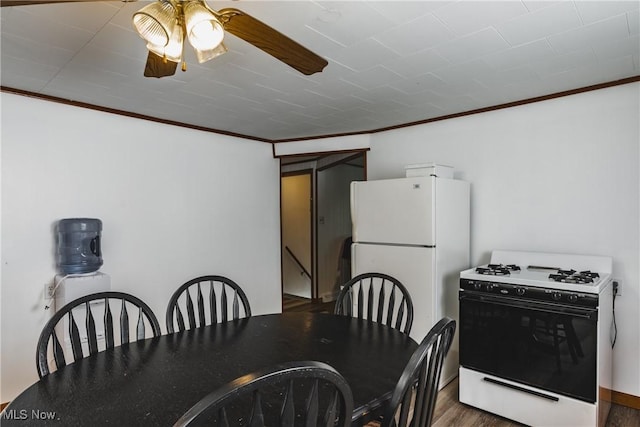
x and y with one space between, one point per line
571 276
497 269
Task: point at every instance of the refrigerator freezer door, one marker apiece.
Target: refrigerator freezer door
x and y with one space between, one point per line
414 267
394 211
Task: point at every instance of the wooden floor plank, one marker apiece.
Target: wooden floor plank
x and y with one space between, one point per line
622 416
292 303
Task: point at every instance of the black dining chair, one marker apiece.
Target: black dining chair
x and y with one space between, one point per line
305 393
86 326
215 299
414 397
377 297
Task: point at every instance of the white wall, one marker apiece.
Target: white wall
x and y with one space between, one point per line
175 203
555 176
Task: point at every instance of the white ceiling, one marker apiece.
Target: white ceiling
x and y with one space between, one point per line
390 62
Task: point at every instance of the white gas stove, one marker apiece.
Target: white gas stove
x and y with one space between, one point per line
565 272
535 337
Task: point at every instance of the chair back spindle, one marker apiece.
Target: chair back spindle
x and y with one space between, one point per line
92 338
108 326
124 324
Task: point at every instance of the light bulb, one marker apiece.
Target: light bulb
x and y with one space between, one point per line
203 29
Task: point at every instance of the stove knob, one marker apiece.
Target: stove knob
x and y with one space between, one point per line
477 286
520 291
572 298
556 296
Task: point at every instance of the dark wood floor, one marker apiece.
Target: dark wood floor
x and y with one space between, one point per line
294 303
451 413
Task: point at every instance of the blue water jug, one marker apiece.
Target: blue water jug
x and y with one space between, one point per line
78 245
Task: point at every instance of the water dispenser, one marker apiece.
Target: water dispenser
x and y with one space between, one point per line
78 245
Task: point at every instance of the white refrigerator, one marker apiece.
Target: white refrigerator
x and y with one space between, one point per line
417 230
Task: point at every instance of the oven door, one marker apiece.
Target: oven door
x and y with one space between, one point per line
545 345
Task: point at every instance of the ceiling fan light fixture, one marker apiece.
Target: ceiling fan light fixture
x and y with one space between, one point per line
207 55
165 24
173 50
155 22
204 30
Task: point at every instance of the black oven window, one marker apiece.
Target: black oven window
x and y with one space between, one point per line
544 349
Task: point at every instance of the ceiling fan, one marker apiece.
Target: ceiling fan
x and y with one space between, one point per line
166 24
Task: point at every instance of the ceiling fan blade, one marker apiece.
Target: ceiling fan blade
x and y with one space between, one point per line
4 3
271 41
157 67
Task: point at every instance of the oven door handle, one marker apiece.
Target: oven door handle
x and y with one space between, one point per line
547 307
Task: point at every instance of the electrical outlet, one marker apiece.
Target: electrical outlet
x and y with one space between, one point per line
619 282
49 289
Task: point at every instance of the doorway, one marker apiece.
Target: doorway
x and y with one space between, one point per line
296 204
328 203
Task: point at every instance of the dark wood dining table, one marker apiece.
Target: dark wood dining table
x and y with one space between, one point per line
154 381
